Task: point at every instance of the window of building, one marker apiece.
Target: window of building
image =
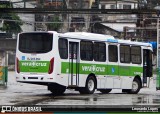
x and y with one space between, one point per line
103 6
136 54
77 22
63 48
99 51
113 6
120 6
126 6
125 53
113 53
86 50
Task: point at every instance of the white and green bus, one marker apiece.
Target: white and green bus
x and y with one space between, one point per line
82 61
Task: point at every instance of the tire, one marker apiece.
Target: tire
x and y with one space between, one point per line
126 90
58 91
89 87
105 91
135 87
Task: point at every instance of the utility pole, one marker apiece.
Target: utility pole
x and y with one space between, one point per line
116 4
158 61
81 4
24 3
1 24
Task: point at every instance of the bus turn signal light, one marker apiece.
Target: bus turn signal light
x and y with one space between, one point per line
17 65
51 66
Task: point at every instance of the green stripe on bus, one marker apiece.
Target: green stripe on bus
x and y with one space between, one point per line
102 69
34 66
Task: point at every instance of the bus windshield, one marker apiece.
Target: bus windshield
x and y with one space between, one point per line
35 42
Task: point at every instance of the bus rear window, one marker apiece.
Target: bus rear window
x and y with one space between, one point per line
35 42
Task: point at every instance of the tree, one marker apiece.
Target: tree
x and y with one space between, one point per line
56 23
12 22
149 4
154 2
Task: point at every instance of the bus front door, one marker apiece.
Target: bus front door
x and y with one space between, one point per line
147 66
73 64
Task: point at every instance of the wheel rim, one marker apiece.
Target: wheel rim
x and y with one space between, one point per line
134 86
90 85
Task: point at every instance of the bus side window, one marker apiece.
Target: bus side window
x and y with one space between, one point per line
63 48
99 51
136 55
86 50
113 53
125 53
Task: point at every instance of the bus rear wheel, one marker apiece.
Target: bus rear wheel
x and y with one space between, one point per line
135 87
58 90
105 91
89 87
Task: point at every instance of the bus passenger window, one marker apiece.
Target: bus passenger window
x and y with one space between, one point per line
136 54
125 53
63 48
113 53
99 51
86 50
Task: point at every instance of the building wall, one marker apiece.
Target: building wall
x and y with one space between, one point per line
110 4
28 19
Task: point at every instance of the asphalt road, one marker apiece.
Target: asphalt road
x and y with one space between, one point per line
28 94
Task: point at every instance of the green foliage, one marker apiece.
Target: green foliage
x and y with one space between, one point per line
12 22
6 4
154 2
55 25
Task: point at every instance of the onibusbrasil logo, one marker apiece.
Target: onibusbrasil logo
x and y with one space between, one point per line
21 109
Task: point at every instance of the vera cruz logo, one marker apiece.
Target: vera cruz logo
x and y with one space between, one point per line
93 68
34 64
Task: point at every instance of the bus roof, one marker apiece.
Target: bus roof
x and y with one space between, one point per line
101 37
85 35
134 43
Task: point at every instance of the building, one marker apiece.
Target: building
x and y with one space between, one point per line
110 23
118 4
28 19
79 22
69 22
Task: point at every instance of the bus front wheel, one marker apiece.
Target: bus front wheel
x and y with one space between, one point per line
135 87
89 87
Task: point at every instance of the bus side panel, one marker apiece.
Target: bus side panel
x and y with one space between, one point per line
61 77
85 69
135 70
127 82
101 81
82 80
63 71
109 82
